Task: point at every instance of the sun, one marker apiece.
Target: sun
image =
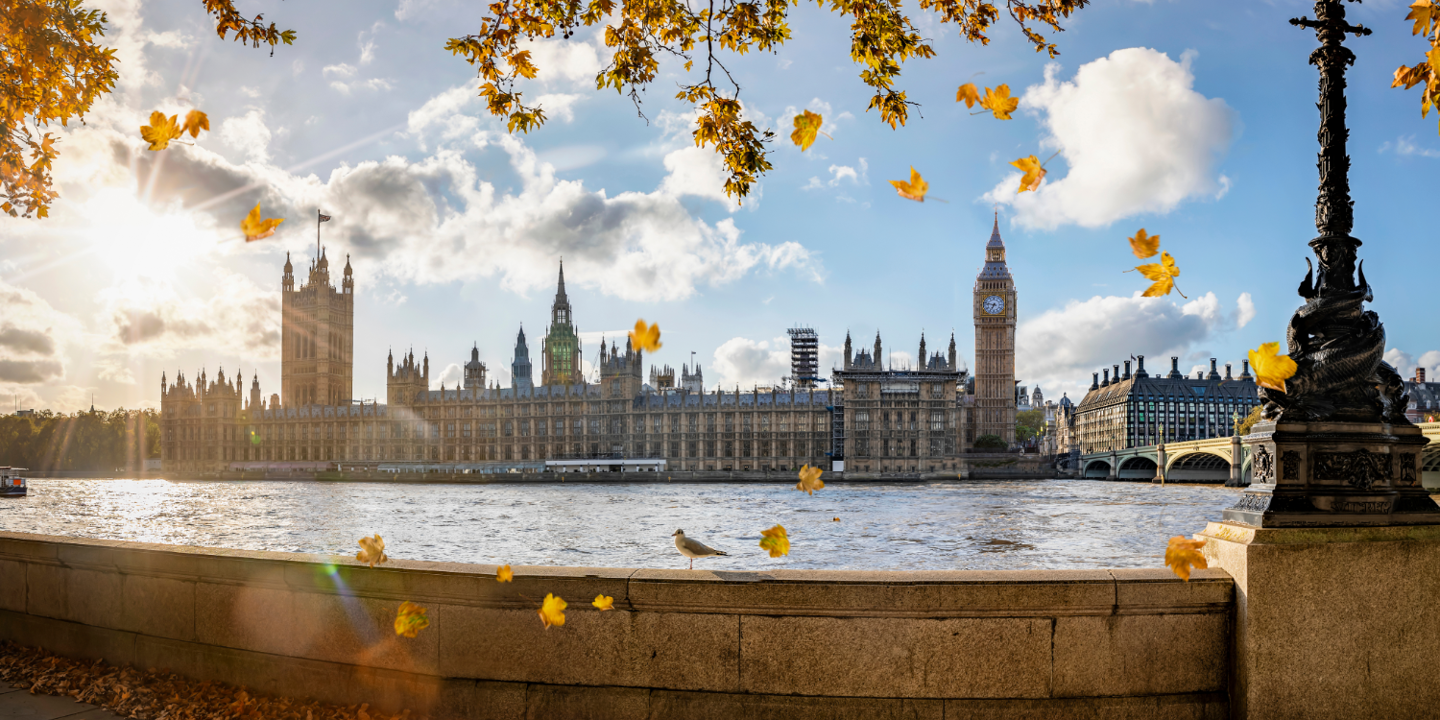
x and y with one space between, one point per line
133 240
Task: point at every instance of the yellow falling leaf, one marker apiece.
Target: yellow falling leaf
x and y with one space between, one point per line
1034 173
807 126
1143 245
410 619
1423 13
195 121
1163 273
810 480
968 95
552 612
775 541
604 602
1183 554
257 229
645 337
161 130
372 551
999 102
1271 369
913 190
504 574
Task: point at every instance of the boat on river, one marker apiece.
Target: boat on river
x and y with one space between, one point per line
11 483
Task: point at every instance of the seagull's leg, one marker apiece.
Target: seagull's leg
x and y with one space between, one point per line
692 563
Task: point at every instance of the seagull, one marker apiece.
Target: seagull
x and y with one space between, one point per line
694 548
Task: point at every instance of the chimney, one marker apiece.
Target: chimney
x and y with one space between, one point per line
1419 374
1245 373
1094 381
1175 368
1214 374
1227 372
1117 373
1140 367
1107 379
1127 369
1199 374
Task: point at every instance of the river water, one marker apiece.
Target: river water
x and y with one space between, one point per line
972 525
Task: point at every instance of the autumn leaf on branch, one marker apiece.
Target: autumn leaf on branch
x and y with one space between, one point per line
1144 246
775 541
645 337
552 611
1272 369
504 574
372 550
968 95
1424 14
810 480
1163 273
1426 18
603 602
257 229
228 19
410 619
999 102
1182 554
915 189
807 126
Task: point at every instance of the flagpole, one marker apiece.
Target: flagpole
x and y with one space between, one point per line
317 234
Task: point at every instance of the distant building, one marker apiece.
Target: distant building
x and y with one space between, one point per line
1132 410
317 342
561 349
804 357
1424 398
994 315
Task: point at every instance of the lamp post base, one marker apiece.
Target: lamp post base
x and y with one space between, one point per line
1334 474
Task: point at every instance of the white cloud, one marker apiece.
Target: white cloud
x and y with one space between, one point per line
452 376
370 84
1245 310
559 106
574 61
343 70
248 134
700 172
1135 134
749 363
1061 347
1405 146
33 336
858 175
1405 363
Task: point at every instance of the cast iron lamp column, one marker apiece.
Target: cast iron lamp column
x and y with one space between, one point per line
1335 448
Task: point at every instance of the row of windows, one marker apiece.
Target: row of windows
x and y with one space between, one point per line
483 453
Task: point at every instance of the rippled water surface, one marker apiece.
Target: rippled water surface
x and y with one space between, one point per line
990 525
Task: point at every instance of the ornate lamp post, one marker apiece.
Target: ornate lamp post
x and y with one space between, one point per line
1335 448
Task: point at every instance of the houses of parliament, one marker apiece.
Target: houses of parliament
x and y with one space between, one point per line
875 417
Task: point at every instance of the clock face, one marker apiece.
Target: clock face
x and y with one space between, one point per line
994 305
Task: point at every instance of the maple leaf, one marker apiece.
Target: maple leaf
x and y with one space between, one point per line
160 131
1163 273
913 190
552 612
1143 245
1271 369
775 541
604 602
257 229
372 551
1182 554
1423 13
807 126
1034 173
504 574
810 480
410 619
645 337
968 95
999 102
195 121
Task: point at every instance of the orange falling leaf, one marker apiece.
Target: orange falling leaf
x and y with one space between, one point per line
372 551
552 612
776 541
504 574
807 126
410 619
1183 554
195 121
913 190
1034 173
810 480
999 102
161 130
604 602
257 229
645 337
1272 369
968 95
1144 246
1423 13
1163 273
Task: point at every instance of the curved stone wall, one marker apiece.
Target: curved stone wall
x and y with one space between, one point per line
679 644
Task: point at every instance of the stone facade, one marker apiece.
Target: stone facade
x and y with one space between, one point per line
1129 410
900 419
994 308
318 336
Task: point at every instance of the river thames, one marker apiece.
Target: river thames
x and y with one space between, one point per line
972 525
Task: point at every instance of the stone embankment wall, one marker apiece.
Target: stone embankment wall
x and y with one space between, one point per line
679 644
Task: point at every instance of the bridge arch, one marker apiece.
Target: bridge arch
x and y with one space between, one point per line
1430 466
1139 467
1198 466
1097 469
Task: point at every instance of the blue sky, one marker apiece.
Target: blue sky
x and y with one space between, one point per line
1195 121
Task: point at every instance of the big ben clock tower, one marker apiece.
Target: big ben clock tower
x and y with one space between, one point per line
994 410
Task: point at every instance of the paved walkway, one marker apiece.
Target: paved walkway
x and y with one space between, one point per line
17 704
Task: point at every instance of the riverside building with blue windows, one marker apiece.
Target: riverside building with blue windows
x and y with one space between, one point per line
1136 410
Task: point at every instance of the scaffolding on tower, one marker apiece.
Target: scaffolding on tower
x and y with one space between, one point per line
804 357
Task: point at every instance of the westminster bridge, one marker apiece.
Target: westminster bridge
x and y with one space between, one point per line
1221 459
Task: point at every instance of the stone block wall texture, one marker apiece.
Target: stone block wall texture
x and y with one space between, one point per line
680 644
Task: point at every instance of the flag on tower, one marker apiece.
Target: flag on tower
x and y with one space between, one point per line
324 217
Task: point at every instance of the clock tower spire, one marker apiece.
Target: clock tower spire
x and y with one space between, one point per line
994 409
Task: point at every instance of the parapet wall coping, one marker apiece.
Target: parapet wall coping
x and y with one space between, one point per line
1249 535
780 592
